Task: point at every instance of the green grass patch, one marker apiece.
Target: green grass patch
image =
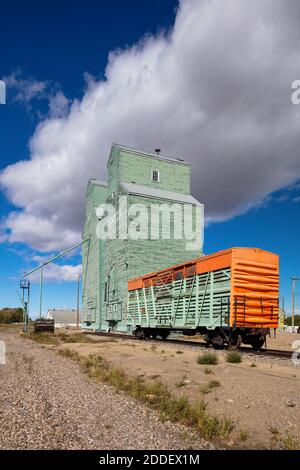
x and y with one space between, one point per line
208 358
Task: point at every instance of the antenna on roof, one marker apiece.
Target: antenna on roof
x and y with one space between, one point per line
157 151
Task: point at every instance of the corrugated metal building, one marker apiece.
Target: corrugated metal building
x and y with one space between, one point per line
147 180
64 318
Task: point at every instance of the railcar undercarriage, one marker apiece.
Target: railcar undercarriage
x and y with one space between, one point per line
217 338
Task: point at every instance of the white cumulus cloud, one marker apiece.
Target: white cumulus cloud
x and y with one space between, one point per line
215 90
57 272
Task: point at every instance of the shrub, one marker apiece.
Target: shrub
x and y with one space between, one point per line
208 358
181 382
273 430
68 353
233 357
290 443
214 384
211 426
288 320
243 435
210 386
77 338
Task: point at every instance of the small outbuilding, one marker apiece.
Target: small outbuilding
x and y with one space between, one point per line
64 318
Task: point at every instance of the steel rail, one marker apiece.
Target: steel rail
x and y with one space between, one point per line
281 354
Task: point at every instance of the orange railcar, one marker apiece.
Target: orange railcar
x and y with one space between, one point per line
231 296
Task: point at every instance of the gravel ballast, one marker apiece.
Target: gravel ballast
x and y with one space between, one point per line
47 402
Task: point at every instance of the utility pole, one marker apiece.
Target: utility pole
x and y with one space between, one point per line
25 287
294 280
78 295
41 292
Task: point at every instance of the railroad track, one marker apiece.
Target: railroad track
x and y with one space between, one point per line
280 354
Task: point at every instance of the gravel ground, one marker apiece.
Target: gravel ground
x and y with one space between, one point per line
47 402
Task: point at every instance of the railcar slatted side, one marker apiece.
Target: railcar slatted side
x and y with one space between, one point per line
198 300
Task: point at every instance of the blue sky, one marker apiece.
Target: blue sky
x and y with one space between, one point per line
48 48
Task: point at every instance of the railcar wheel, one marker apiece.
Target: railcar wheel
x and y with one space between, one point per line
217 342
258 342
235 341
154 335
140 334
207 341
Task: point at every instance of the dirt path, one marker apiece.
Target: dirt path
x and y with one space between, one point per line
46 402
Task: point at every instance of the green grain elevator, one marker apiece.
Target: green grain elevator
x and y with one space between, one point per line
146 182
